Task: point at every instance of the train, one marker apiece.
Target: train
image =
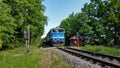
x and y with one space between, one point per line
55 37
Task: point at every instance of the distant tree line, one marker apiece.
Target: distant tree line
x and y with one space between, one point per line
15 16
98 22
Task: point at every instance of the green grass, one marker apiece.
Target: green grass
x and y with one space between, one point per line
102 49
39 58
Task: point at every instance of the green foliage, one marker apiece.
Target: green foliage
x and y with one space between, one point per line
7 25
98 22
76 23
15 16
1 43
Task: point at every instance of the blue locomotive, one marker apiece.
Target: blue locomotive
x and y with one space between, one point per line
56 37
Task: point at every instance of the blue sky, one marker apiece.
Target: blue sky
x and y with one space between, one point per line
57 10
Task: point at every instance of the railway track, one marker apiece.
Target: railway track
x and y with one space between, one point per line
100 59
113 58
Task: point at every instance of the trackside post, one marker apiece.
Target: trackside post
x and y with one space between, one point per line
27 37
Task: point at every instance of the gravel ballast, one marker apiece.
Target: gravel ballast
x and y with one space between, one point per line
74 61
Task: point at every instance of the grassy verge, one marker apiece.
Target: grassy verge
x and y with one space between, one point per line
102 49
39 58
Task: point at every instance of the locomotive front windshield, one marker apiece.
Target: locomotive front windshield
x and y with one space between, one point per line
58 30
53 30
61 30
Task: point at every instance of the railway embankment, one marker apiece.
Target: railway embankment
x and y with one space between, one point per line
74 61
78 58
115 50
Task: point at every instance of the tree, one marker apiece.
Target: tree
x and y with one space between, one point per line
101 18
104 19
76 23
19 14
6 25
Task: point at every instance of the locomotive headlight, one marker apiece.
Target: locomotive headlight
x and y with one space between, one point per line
54 39
63 39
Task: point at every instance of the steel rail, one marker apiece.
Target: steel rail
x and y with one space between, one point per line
96 54
97 60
